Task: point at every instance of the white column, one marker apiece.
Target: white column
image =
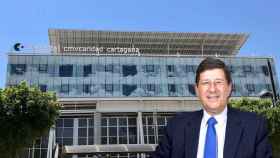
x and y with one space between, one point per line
140 132
75 134
51 142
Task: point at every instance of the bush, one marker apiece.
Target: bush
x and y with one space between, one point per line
271 113
26 114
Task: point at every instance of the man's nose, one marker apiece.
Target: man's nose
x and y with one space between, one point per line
212 87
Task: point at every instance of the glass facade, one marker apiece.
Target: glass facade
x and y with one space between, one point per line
132 76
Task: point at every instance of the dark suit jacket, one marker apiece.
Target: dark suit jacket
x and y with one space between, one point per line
246 136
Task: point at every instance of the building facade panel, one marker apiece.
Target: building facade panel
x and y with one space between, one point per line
120 76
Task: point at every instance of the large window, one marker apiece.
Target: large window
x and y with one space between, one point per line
153 127
38 149
87 88
64 88
129 70
151 88
191 68
265 70
128 89
66 70
43 68
247 69
109 68
109 88
86 131
170 70
191 89
118 130
250 88
150 68
87 70
18 69
64 131
43 87
171 89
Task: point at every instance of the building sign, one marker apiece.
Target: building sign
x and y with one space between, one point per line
103 50
18 47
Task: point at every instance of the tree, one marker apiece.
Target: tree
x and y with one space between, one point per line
271 113
26 114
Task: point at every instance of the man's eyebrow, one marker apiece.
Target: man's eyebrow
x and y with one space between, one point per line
216 79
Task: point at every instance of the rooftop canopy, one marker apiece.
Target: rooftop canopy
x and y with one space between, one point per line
151 43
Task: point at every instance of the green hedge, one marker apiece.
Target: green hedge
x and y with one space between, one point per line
26 114
271 113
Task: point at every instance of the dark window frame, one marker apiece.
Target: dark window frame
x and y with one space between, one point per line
109 88
109 68
66 70
43 68
43 87
150 68
18 69
87 70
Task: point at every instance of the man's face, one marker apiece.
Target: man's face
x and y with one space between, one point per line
213 90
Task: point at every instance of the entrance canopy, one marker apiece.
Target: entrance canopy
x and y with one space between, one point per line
115 148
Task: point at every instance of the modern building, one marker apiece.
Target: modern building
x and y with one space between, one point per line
121 87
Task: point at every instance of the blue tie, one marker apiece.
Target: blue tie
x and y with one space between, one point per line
210 148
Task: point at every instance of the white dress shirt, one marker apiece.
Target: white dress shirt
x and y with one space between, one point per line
220 132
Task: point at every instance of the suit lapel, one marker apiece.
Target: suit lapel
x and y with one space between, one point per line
192 128
233 133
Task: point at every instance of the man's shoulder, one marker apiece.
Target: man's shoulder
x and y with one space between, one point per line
188 115
245 115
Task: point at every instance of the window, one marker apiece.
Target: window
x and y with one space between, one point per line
265 70
231 69
170 68
172 88
128 89
66 70
153 127
86 131
87 70
18 69
150 68
191 68
43 68
247 68
109 88
87 88
109 68
250 87
38 149
129 70
64 88
118 130
64 131
191 89
151 87
234 88
267 87
43 87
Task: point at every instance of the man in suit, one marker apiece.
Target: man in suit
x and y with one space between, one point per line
216 131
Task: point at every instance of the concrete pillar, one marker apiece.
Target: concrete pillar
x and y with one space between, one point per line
97 128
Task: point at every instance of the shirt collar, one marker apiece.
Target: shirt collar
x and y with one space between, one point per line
221 117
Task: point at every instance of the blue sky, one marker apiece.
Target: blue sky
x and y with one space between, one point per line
28 21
